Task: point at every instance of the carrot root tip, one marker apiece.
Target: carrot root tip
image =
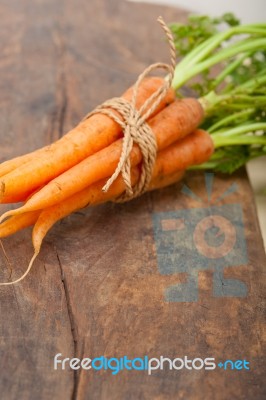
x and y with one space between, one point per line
25 273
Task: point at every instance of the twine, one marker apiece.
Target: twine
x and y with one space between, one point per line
134 125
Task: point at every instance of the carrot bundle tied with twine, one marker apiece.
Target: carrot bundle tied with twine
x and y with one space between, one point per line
157 136
135 128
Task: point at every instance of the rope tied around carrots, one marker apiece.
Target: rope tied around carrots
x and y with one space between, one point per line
135 128
71 173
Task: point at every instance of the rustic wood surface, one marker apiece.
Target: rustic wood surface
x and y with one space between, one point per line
96 288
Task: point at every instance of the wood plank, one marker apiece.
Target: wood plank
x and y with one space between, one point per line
100 285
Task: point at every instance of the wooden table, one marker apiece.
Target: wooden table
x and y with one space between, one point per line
111 281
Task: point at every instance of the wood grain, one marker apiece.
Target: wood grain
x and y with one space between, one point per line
96 288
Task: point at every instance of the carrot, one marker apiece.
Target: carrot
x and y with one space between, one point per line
18 198
21 221
162 181
90 136
166 127
48 217
167 170
12 164
18 222
91 196
191 150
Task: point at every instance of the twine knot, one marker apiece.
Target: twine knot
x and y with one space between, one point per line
135 128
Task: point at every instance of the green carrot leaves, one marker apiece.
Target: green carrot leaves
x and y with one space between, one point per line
224 63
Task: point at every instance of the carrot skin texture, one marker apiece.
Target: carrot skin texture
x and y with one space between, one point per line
18 222
161 181
102 164
16 162
167 171
191 150
90 136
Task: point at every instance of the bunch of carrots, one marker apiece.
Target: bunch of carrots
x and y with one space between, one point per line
69 174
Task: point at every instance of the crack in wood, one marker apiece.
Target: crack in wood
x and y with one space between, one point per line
59 113
72 327
63 106
21 324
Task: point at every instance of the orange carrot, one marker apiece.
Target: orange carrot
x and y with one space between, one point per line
90 136
49 217
18 222
166 128
169 168
196 148
21 221
162 181
191 150
12 164
90 196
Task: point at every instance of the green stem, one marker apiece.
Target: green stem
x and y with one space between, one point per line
235 96
242 140
235 113
239 130
228 70
231 118
206 165
205 48
182 75
252 84
214 163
